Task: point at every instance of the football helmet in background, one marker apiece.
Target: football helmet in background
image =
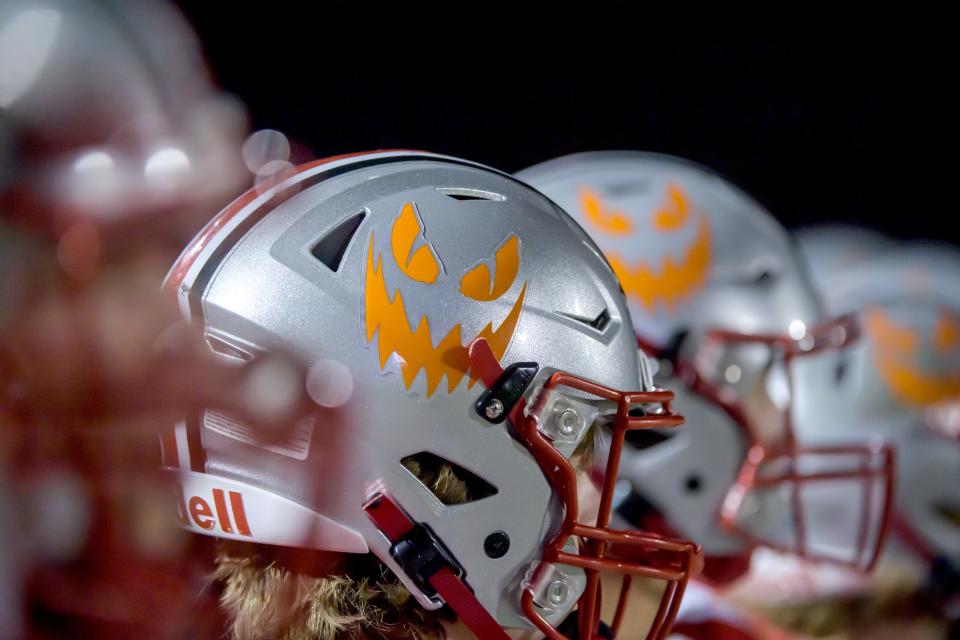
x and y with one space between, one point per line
717 293
112 141
828 248
901 382
107 114
405 278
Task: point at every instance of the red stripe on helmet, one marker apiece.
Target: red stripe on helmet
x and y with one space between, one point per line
168 447
180 268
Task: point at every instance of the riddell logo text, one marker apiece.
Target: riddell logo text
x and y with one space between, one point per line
197 511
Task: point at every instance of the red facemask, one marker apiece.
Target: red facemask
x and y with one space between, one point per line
539 427
805 483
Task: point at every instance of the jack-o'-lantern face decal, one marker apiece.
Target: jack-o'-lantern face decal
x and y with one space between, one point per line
899 351
664 281
405 333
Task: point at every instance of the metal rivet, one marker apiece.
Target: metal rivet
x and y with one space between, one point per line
497 544
557 592
569 422
732 374
494 409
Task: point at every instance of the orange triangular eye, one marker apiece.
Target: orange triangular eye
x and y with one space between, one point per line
672 214
478 284
947 334
422 265
608 221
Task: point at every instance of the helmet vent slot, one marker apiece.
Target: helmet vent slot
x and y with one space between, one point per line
471 194
224 348
626 189
600 322
331 247
448 481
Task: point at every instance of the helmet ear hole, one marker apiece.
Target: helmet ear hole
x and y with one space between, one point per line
448 481
693 483
496 544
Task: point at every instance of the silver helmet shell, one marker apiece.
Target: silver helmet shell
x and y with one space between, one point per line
901 382
110 113
692 251
379 269
714 284
829 249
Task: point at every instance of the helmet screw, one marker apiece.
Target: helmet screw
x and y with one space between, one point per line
497 544
557 592
569 422
494 409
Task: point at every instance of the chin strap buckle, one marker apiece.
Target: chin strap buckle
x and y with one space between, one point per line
422 556
430 565
495 404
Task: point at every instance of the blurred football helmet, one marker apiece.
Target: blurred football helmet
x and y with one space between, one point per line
404 278
919 270
716 291
107 113
901 382
828 248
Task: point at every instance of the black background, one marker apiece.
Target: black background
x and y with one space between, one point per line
820 116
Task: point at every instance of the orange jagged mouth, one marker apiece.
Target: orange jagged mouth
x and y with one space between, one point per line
414 347
897 346
674 280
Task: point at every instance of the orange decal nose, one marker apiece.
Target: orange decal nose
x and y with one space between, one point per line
889 337
614 223
422 266
947 335
672 214
411 341
896 348
479 285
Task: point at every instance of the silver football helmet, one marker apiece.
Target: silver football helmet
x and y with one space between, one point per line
108 114
901 382
831 248
404 279
716 290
